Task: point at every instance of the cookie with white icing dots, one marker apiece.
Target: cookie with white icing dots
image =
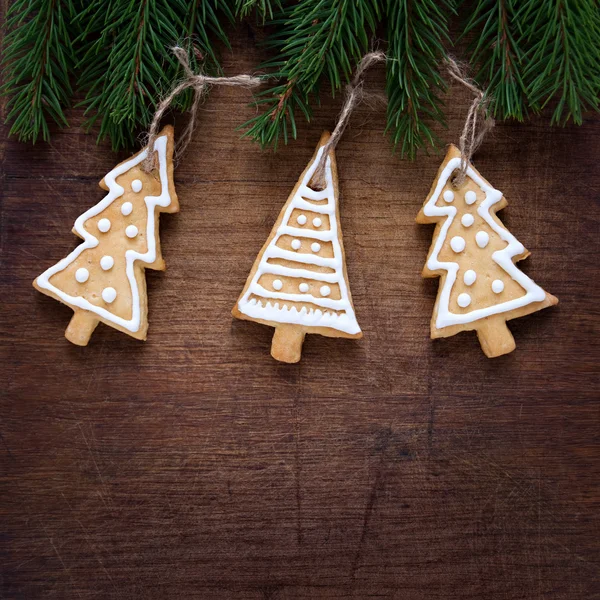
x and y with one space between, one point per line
103 279
298 283
474 255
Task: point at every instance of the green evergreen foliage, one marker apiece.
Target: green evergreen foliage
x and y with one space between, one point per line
498 55
526 54
124 79
563 64
37 60
314 38
127 67
417 33
263 8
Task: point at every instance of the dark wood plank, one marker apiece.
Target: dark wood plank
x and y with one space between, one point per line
194 466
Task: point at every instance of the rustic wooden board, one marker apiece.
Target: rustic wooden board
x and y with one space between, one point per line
195 466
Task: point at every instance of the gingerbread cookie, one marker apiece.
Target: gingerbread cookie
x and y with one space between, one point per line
298 283
474 255
103 278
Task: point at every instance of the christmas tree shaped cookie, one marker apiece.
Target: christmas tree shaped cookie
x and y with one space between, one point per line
298 283
474 255
103 278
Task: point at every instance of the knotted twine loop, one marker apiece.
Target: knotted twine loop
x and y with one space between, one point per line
354 96
200 84
477 117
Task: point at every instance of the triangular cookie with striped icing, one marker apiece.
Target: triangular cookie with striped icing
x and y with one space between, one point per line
298 283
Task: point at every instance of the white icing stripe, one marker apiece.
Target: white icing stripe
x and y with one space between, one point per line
534 293
259 290
346 321
318 195
306 317
310 259
303 273
116 191
322 209
324 236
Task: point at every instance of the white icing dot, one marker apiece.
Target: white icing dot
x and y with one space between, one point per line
82 275
470 197
482 239
136 185
467 220
463 300
325 290
131 231
497 286
457 243
301 220
317 222
303 287
315 247
107 262
296 244
448 195
277 284
103 225
109 294
126 208
469 277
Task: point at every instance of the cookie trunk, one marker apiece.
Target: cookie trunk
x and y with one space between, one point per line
287 343
495 337
81 327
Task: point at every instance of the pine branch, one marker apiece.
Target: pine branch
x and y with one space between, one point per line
38 55
497 56
264 8
205 24
417 30
205 19
127 67
314 38
564 61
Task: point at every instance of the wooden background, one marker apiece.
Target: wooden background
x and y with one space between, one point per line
195 466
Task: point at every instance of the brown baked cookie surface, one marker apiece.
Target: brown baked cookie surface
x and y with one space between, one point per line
474 255
299 283
103 279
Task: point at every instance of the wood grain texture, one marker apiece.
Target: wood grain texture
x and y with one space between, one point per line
196 466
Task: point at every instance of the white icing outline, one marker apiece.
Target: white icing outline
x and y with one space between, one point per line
346 321
503 258
90 241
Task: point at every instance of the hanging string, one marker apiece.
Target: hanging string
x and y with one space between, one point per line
354 96
200 84
477 118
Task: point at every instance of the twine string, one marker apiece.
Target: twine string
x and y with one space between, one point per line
200 84
354 96
478 122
